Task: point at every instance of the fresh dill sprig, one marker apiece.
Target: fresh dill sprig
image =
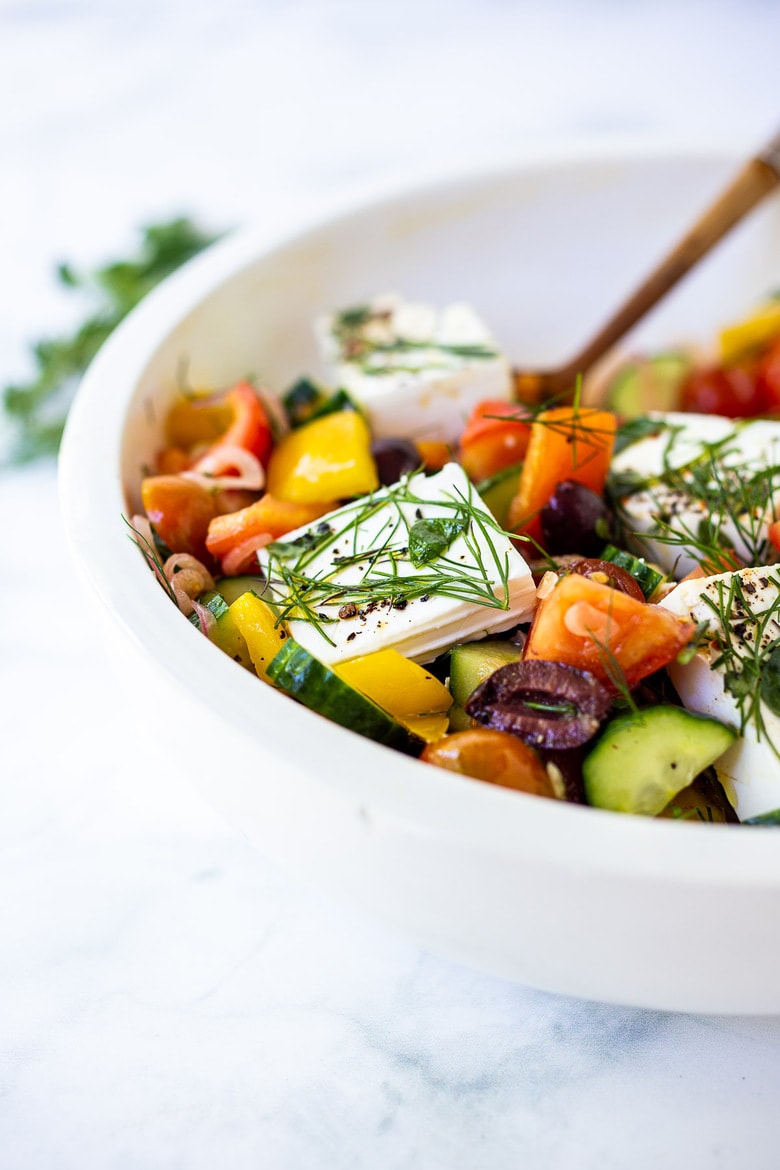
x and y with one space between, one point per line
358 345
715 507
152 558
397 567
746 647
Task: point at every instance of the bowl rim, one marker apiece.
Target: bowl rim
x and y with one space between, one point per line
420 799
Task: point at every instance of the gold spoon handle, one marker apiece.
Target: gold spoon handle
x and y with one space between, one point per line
756 179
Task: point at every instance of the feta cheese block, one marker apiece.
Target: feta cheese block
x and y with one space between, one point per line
732 676
418 566
416 371
700 479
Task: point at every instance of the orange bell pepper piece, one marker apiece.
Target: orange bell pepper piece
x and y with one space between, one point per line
267 517
434 453
567 442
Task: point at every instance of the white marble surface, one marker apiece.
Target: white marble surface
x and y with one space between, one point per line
167 999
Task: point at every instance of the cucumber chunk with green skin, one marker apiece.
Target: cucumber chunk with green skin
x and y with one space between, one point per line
499 490
703 800
232 588
225 632
294 670
645 575
473 662
644 758
767 819
648 384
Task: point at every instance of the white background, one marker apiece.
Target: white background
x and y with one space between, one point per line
166 997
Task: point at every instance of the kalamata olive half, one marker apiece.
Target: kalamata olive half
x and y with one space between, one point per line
394 458
547 704
575 520
605 573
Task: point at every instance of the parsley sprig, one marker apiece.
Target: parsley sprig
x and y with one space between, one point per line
37 409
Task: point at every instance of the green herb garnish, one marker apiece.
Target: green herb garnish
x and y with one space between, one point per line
746 647
714 507
37 409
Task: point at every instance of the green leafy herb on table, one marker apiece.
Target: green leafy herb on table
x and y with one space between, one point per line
37 409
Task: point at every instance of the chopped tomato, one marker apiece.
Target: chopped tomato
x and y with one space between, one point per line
250 427
495 756
496 436
235 418
172 461
773 533
768 377
180 512
593 627
732 391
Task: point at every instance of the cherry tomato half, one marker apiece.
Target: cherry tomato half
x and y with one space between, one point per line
495 756
732 391
769 377
180 512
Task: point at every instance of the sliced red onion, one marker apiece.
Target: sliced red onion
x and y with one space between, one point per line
241 557
205 617
188 578
275 409
226 466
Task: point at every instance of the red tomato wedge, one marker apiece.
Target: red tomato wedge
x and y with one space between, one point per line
250 427
235 418
180 512
617 638
495 437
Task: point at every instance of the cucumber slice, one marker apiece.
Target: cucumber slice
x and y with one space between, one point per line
767 819
703 800
644 758
645 575
473 662
319 688
648 384
226 633
499 490
231 588
301 400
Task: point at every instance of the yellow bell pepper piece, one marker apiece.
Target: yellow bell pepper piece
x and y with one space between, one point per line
745 337
327 459
196 419
407 691
256 622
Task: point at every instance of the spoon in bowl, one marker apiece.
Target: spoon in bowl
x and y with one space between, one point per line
759 176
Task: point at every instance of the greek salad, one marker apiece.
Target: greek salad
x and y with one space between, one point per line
573 600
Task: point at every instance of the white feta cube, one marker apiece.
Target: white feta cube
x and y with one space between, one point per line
417 566
723 680
701 472
417 372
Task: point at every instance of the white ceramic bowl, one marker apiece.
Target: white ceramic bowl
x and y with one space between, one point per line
570 899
